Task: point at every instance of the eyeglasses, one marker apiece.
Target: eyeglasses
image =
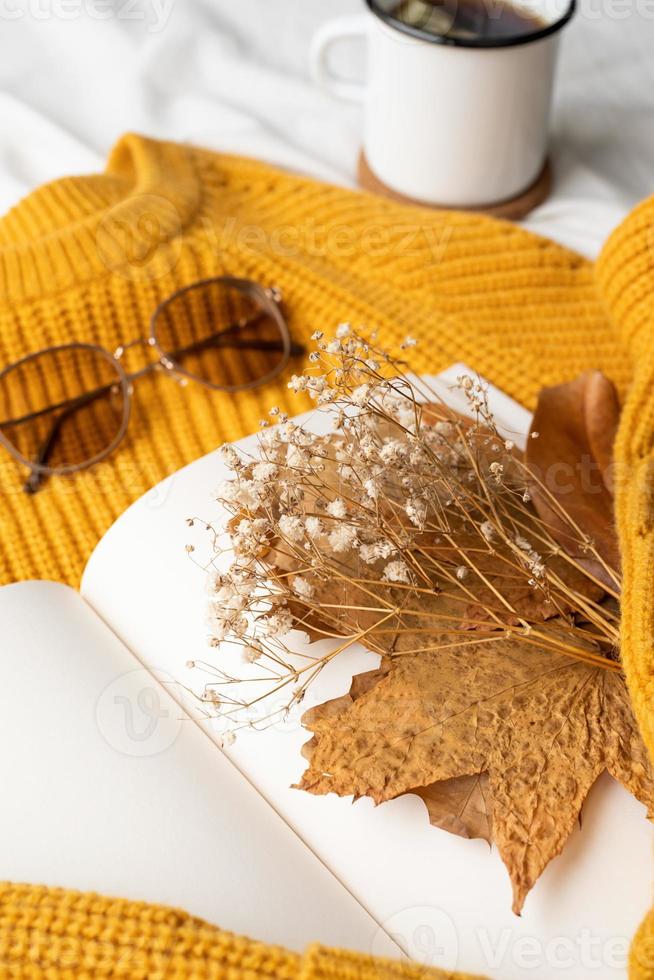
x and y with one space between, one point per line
66 408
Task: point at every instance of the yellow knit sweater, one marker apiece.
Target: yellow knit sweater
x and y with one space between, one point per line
53 934
89 258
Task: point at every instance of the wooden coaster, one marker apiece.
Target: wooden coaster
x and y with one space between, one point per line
513 209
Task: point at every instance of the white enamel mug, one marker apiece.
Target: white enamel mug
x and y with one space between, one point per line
450 121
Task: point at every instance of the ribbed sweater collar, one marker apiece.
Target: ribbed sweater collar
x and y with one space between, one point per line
78 228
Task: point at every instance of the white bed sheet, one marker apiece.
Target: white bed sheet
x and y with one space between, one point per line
75 74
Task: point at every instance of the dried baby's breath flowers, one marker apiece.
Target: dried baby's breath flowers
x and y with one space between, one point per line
345 536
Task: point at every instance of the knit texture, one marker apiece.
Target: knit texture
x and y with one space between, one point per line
55 934
641 954
89 258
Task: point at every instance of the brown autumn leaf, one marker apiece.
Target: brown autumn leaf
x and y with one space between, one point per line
460 805
570 463
361 684
542 726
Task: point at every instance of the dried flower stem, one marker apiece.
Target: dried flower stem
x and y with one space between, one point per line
407 520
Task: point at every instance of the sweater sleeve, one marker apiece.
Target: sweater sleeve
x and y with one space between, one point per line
60 934
625 276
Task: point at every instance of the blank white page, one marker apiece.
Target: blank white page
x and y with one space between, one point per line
105 787
446 900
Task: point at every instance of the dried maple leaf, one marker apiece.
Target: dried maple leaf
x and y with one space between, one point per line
570 463
460 805
542 726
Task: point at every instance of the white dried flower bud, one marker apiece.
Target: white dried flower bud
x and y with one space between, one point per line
361 395
343 538
225 491
416 511
251 652
371 486
487 530
291 528
264 472
368 553
318 388
397 571
462 572
298 458
245 494
277 624
336 508
230 457
378 550
392 451
303 588
313 527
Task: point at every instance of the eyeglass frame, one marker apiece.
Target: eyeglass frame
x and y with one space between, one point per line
270 299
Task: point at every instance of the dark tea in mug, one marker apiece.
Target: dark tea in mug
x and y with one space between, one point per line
466 20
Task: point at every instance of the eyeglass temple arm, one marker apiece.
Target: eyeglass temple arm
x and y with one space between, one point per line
36 479
295 350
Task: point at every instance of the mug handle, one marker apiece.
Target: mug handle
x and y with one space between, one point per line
323 40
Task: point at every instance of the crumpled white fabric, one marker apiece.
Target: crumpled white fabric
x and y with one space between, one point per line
76 74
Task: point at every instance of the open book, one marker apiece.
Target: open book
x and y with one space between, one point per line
109 784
